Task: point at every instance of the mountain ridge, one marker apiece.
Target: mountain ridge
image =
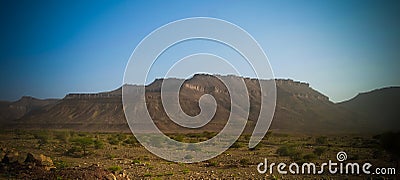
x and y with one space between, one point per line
299 108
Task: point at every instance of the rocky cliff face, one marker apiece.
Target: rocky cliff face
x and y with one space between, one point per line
299 108
299 89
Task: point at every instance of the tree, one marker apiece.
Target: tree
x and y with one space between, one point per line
84 143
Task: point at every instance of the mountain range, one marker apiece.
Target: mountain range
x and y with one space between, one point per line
299 109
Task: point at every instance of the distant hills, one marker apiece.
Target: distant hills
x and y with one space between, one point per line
299 109
379 108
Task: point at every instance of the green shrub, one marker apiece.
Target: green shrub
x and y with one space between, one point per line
212 164
319 151
131 141
115 168
120 136
322 140
60 164
73 151
63 136
178 137
185 171
84 143
244 162
237 144
43 137
111 156
98 144
309 157
287 150
136 161
169 173
209 135
113 141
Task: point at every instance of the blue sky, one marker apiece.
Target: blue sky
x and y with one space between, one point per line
51 48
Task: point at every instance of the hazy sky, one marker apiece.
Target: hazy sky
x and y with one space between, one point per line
51 48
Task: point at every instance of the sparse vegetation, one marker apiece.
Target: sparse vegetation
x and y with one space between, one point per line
237 144
322 140
289 150
115 168
61 164
244 162
98 144
319 151
309 157
131 140
135 161
43 137
212 164
83 143
185 171
63 136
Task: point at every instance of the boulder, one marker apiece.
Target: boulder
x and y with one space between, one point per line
39 160
10 157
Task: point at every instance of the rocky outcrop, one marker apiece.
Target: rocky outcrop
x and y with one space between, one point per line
39 160
299 89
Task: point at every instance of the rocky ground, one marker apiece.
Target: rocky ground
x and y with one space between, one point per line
79 155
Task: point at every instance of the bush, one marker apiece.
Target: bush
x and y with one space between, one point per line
169 173
244 162
136 161
208 134
289 151
83 143
73 151
285 151
43 136
212 164
115 168
111 156
185 171
237 144
60 164
319 151
63 136
322 140
113 141
309 157
120 137
98 144
178 137
131 141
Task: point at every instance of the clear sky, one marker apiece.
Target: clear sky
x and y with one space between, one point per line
51 48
